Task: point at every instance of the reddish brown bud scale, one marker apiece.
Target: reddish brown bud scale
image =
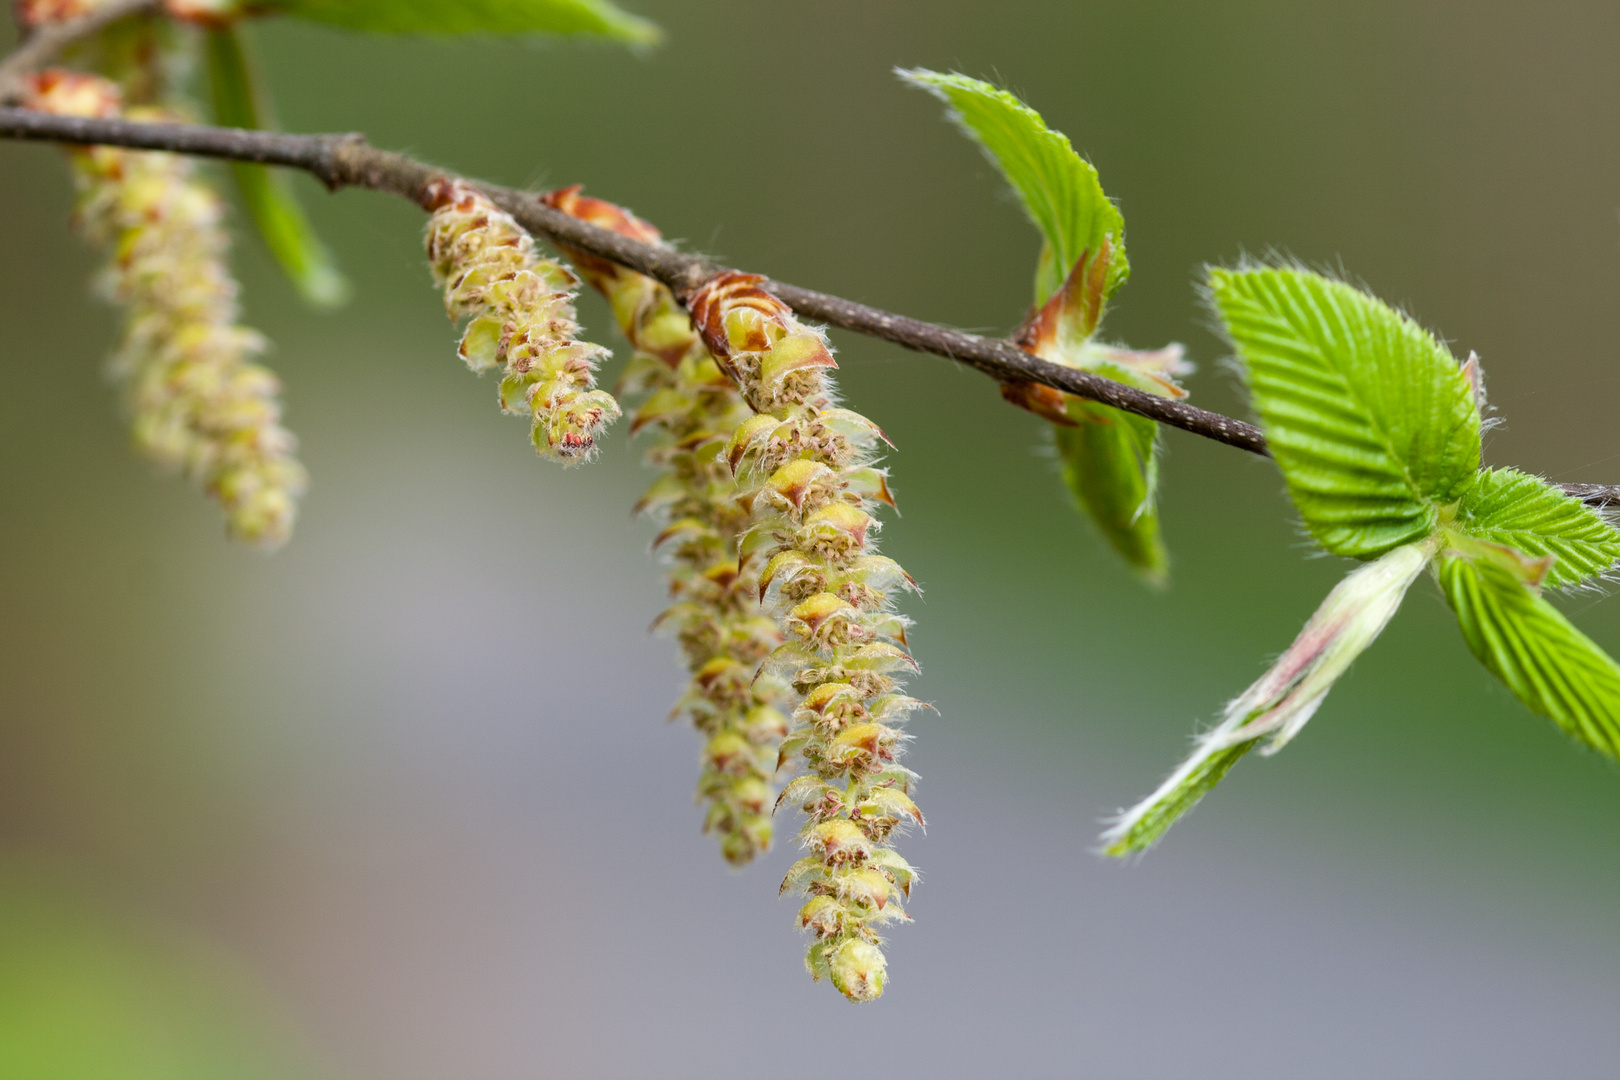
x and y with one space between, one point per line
73 93
1043 401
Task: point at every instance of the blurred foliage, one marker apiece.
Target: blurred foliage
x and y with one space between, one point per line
86 994
587 18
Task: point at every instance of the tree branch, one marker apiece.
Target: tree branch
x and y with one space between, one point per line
347 160
43 44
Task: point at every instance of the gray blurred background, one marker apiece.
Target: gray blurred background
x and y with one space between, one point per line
400 802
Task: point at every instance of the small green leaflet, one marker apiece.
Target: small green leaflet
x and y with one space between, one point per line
1549 665
591 18
1059 188
1110 464
240 101
1506 506
1368 415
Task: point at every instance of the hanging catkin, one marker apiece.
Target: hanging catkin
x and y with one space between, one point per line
806 473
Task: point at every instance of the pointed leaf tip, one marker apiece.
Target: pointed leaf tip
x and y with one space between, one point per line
1280 702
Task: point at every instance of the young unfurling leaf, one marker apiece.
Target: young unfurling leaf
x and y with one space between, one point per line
1284 698
585 18
1509 507
1371 419
1549 665
1058 188
1109 457
240 101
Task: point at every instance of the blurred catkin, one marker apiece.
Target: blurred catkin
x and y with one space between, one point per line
805 471
522 319
33 13
692 408
197 402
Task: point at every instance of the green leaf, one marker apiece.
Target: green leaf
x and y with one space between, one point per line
1058 187
240 101
584 18
1506 506
1368 415
1110 464
1549 665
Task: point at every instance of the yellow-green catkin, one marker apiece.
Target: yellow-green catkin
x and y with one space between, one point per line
692 408
522 320
806 475
198 403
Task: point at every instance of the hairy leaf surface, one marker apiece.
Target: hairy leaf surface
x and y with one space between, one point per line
1549 665
1058 188
240 101
590 18
1510 507
1368 415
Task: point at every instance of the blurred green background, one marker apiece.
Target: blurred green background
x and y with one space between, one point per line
400 801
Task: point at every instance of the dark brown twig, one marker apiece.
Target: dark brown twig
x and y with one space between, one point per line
349 161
